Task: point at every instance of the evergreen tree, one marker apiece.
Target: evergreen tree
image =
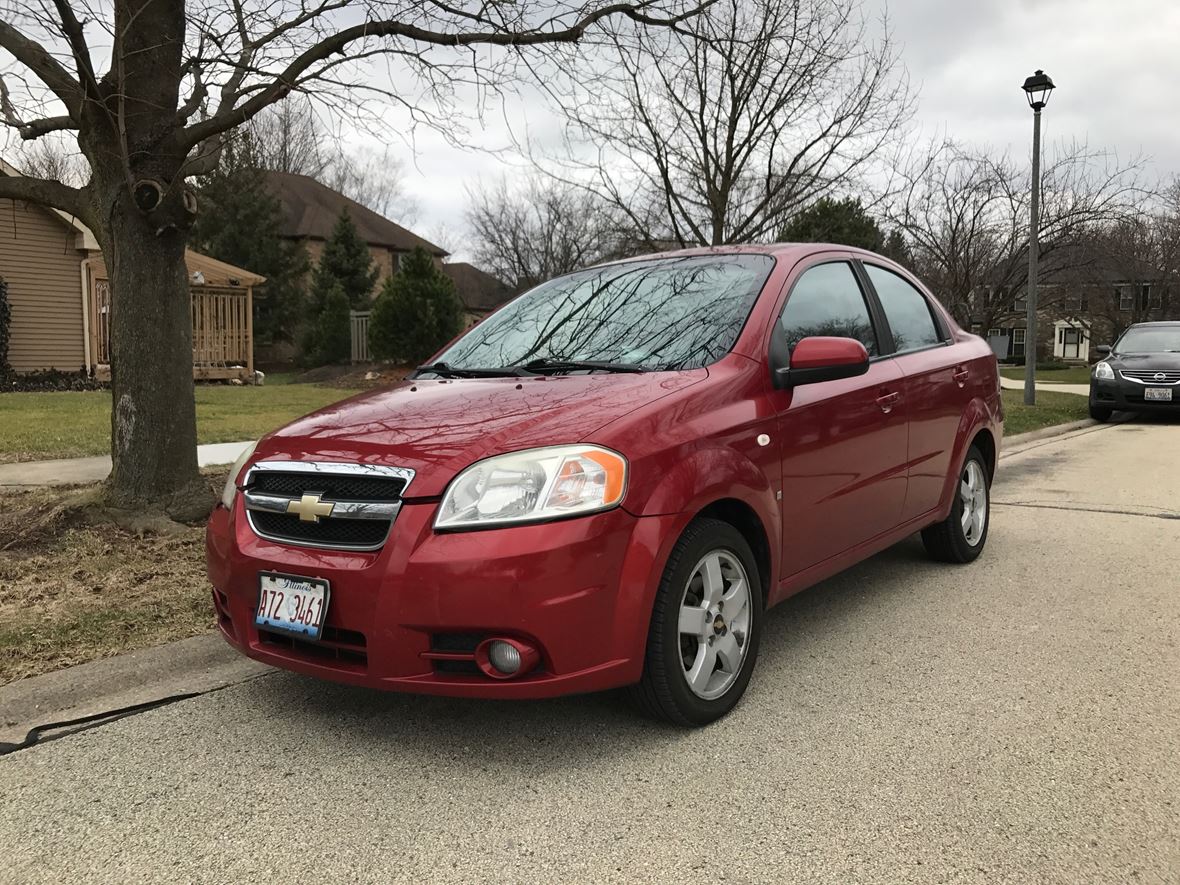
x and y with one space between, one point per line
416 313
328 339
846 223
240 223
346 260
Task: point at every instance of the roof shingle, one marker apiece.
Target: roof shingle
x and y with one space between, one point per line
311 209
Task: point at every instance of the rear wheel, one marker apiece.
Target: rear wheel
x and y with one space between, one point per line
961 536
1100 413
705 626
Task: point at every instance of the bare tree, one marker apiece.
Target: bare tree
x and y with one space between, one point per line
296 136
538 231
290 137
182 75
964 212
719 135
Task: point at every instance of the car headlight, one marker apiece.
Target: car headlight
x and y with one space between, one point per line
1103 371
231 482
532 486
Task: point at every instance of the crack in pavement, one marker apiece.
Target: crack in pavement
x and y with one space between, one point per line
1083 508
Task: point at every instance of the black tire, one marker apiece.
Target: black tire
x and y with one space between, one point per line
947 541
664 692
1101 414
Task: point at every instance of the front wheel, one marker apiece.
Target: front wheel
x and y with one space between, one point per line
1099 413
961 536
705 626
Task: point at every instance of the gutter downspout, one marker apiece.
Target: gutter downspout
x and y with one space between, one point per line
86 312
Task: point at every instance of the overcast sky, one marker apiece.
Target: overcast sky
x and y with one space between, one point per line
1115 62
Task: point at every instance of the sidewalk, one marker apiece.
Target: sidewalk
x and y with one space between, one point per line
1079 389
67 471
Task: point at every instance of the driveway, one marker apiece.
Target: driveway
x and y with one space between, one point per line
1015 720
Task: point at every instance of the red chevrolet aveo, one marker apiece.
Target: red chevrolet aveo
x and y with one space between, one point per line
607 482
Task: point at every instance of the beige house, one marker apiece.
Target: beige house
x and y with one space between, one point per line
60 297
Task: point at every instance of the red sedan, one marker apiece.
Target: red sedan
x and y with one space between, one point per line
607 482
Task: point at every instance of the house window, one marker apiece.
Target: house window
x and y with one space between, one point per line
1126 297
992 333
1155 298
1018 342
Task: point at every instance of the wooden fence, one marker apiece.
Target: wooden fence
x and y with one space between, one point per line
223 331
360 335
222 328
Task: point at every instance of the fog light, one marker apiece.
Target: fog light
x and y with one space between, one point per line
504 657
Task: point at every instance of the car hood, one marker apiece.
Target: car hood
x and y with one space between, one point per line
437 428
1145 362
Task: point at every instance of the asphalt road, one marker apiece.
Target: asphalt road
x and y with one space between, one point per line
1017 720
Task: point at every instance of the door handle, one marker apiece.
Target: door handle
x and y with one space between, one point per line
960 375
887 401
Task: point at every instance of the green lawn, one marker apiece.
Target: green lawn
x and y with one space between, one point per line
1071 375
74 424
1051 408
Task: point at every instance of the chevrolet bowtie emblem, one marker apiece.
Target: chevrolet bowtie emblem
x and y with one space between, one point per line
310 508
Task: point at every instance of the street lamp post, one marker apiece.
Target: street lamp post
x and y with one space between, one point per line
1037 89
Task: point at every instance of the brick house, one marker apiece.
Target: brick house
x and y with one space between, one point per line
311 209
1083 307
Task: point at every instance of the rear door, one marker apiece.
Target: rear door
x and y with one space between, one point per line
843 442
935 382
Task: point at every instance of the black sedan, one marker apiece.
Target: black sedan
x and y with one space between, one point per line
1141 372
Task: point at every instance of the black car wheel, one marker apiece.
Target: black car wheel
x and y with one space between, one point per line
961 536
1100 413
705 625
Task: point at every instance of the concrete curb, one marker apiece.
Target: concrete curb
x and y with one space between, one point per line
1018 440
199 664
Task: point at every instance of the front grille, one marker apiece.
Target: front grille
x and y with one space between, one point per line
334 487
324 504
1148 376
328 532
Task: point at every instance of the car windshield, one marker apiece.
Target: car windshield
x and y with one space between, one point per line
1150 339
659 314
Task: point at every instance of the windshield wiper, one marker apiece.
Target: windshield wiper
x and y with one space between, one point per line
443 370
553 365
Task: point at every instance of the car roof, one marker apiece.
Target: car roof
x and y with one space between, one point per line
778 250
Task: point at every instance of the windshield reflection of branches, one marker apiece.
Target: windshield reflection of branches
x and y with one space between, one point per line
668 314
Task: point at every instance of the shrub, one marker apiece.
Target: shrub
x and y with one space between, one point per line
416 313
5 326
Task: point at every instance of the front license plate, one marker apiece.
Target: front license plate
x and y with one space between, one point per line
1158 393
292 604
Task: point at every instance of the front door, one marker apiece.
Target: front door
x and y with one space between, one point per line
843 442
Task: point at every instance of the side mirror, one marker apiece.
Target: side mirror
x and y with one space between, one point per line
820 358
1103 349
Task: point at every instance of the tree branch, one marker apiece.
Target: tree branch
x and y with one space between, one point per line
338 43
47 69
42 191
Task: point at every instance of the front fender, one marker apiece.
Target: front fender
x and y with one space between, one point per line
705 477
976 417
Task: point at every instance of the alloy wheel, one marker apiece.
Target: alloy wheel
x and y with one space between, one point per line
714 624
973 495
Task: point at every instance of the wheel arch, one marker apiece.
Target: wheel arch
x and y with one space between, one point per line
745 519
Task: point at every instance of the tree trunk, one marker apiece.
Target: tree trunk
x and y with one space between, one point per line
153 412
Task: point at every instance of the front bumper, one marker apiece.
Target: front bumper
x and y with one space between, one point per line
1121 395
580 590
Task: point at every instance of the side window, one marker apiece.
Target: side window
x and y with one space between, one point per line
905 308
827 300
